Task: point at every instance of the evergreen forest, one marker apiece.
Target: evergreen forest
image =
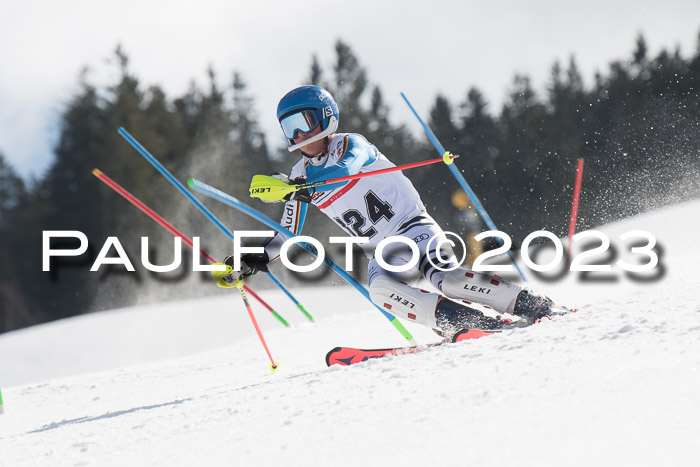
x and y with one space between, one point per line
636 124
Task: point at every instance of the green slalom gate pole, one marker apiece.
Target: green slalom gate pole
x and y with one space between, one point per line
1 409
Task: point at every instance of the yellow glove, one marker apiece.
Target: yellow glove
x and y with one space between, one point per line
227 278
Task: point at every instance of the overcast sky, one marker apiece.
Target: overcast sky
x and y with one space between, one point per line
419 47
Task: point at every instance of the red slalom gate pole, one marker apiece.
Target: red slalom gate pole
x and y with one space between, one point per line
153 215
168 226
274 366
148 211
447 159
262 185
574 203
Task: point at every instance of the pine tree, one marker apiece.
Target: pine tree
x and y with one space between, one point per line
12 188
315 74
15 309
522 121
12 191
479 135
348 86
478 143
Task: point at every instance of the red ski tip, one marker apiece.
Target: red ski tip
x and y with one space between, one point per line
470 334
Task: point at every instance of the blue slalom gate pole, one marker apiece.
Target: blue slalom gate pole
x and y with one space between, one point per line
229 200
291 297
461 180
181 188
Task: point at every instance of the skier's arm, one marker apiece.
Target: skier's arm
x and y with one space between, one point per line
357 154
293 218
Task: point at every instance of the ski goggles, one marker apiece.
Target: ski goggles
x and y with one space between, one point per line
300 122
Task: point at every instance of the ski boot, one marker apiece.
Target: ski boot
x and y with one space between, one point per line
454 319
531 306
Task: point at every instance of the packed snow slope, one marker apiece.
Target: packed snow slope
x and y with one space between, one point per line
188 383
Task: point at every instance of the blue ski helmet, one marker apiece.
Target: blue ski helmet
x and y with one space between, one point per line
303 109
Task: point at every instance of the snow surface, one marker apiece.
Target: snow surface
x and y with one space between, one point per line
188 383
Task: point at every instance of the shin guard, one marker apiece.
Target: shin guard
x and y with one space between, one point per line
481 288
404 301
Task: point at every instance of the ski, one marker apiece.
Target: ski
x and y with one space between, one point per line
349 356
346 356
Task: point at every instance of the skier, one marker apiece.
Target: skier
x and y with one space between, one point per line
377 207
